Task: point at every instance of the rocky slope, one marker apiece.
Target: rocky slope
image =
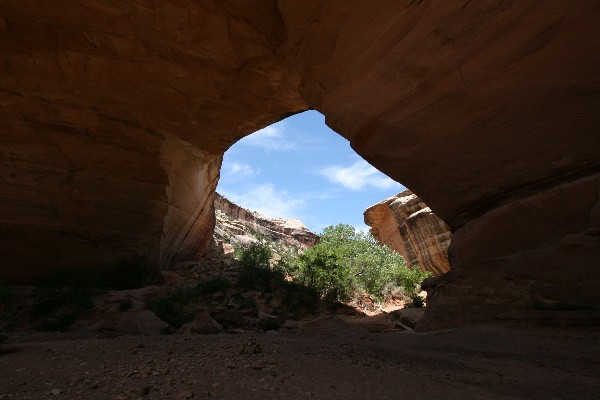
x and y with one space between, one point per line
406 224
239 226
114 118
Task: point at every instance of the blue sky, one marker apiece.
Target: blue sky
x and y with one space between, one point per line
299 168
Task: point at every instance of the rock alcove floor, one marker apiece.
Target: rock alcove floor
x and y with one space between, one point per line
330 360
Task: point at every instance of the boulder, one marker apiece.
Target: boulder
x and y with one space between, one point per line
141 323
410 316
231 319
202 324
270 322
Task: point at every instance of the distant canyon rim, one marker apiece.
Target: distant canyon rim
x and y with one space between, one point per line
114 117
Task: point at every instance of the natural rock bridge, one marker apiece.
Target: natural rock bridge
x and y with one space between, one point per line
114 117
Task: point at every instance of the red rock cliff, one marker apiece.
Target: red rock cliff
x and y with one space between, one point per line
405 224
239 225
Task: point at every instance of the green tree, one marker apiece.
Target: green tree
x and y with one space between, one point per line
347 262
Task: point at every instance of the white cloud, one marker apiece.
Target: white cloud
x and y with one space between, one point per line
238 169
270 138
358 176
267 200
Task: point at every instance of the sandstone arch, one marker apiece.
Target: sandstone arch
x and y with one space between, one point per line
114 117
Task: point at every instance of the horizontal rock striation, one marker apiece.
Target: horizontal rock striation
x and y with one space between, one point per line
240 226
114 117
405 224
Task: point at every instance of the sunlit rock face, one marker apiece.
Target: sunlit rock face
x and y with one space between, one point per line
114 116
239 226
405 224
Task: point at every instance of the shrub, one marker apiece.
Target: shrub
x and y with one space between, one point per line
417 301
255 255
347 263
322 270
297 299
257 273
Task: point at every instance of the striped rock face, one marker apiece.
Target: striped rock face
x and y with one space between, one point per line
114 117
405 224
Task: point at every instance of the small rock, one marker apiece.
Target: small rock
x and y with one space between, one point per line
76 380
410 316
56 392
251 347
188 394
231 319
270 322
202 324
141 323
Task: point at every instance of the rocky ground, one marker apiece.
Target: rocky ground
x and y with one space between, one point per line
340 353
327 358
360 352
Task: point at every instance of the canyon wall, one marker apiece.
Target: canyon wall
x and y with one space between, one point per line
405 224
238 225
114 117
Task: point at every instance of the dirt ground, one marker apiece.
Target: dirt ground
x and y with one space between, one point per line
326 359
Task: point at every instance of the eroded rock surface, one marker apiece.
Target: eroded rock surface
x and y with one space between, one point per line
238 225
114 117
405 224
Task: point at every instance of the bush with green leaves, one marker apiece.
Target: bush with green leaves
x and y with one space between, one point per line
257 274
254 255
347 262
261 273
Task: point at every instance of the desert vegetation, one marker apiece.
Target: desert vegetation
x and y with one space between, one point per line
345 264
271 277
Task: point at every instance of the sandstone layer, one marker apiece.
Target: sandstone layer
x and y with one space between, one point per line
237 225
114 117
405 224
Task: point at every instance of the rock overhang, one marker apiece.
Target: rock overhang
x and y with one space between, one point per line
110 113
